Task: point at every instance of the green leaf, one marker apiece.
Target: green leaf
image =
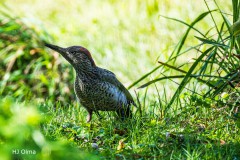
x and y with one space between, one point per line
236 28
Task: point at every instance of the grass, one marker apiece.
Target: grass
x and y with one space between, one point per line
195 132
192 114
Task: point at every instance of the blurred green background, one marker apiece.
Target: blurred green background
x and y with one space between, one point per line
126 37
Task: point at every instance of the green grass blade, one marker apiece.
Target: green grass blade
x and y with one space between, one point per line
215 24
223 86
159 79
236 28
226 21
190 26
212 42
235 5
186 78
181 76
143 77
172 67
183 39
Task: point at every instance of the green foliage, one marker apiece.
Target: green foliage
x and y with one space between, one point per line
217 62
26 70
199 130
21 137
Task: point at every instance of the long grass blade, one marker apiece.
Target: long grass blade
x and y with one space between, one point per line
172 67
190 26
143 77
183 39
223 86
186 78
212 42
182 76
159 79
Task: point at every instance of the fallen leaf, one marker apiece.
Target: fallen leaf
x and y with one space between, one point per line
120 145
222 142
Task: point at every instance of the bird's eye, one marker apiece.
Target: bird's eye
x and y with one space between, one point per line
73 52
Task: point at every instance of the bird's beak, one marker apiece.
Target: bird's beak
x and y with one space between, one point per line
56 48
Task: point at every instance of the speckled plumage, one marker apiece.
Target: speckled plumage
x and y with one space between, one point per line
97 89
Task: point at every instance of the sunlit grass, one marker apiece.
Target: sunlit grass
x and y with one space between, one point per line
195 132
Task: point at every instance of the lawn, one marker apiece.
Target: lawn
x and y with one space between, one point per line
185 52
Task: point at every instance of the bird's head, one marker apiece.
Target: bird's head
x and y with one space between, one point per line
77 56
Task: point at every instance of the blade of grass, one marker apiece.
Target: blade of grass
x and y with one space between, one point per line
143 77
212 42
139 108
186 78
182 76
215 24
172 67
227 22
159 79
183 39
235 5
190 26
220 89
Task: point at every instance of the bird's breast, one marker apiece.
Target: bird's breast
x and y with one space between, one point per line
99 95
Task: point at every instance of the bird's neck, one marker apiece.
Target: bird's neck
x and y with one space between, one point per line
85 72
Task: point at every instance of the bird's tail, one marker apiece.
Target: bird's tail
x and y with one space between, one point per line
128 112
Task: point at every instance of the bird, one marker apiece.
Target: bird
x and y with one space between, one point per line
97 89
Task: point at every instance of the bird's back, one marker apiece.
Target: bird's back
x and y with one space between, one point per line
102 91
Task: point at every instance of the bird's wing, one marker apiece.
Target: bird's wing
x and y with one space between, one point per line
110 77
